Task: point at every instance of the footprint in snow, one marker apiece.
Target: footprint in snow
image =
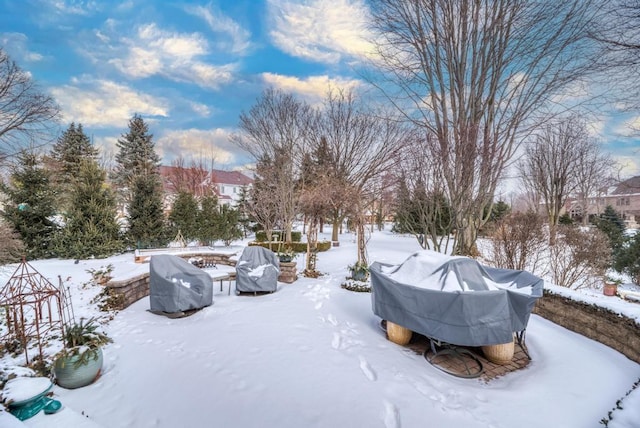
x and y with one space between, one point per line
336 341
391 415
367 370
332 320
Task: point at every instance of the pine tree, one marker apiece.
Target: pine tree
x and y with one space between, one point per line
136 156
184 216
68 153
627 258
228 226
137 178
91 228
145 215
208 220
71 149
242 205
30 207
612 225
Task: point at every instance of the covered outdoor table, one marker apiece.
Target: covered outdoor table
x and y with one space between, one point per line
454 299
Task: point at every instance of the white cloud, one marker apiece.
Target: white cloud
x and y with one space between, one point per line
320 30
629 165
204 144
103 103
153 51
629 128
16 46
313 88
200 109
74 7
240 38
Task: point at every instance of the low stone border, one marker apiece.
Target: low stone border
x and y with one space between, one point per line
597 323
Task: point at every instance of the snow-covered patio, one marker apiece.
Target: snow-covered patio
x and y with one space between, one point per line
313 355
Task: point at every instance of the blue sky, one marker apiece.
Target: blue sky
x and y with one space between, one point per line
189 68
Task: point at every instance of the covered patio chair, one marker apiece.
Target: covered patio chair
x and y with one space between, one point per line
257 270
176 285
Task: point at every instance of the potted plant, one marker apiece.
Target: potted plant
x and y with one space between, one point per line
286 255
80 362
610 287
359 271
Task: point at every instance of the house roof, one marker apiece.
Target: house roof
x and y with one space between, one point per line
631 185
215 176
235 178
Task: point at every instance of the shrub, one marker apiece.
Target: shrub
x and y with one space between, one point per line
580 257
518 240
297 247
627 259
261 236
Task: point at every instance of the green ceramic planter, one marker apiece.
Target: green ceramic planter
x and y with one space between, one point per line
69 375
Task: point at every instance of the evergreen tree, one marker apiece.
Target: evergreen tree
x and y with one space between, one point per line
499 210
228 226
91 228
136 156
30 206
627 258
208 220
242 205
403 222
68 153
612 225
145 214
184 216
71 149
137 178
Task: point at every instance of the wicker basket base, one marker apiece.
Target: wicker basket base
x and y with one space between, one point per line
499 354
398 334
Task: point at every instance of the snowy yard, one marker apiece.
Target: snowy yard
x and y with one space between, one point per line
313 355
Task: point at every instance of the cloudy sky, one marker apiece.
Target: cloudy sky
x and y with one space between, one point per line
190 67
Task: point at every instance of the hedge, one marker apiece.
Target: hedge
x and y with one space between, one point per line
261 236
298 247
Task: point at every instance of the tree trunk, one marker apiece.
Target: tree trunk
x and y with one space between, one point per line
337 226
362 248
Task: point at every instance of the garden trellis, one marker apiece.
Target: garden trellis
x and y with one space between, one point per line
33 309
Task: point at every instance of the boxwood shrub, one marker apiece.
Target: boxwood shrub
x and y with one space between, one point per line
261 236
298 247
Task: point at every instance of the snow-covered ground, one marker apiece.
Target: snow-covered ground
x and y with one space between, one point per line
313 355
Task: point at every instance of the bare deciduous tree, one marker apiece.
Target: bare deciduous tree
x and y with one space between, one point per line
422 211
619 34
275 130
364 144
552 161
262 205
472 74
192 178
26 114
594 171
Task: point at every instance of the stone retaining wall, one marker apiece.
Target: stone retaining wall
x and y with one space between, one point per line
122 294
599 324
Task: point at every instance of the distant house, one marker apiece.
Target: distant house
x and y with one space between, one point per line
624 198
226 185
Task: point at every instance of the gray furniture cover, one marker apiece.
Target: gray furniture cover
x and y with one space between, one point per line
257 270
176 285
454 299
